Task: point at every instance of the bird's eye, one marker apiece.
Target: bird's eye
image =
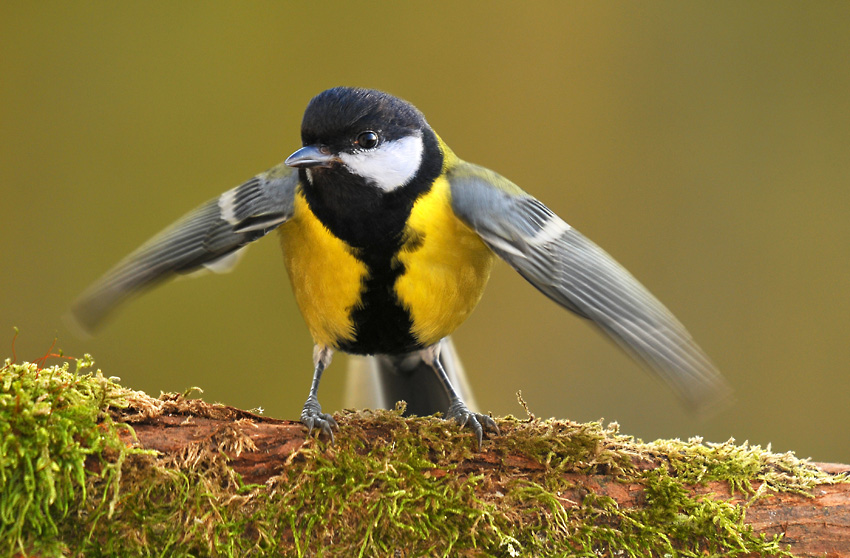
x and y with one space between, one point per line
367 140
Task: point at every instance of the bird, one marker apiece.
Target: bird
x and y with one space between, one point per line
389 239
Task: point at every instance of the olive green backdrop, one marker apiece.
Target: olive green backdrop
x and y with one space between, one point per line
705 145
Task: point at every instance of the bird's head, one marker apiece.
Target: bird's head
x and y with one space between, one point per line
362 132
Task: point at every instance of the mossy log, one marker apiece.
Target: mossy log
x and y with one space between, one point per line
92 468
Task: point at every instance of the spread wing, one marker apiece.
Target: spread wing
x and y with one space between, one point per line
212 236
577 274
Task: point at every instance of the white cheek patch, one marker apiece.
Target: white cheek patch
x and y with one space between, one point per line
392 165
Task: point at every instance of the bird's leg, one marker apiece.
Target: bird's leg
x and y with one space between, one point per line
457 408
312 415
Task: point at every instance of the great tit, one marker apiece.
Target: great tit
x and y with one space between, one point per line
389 239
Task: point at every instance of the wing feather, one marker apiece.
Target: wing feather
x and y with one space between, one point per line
577 274
212 236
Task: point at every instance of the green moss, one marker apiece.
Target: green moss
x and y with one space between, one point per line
391 486
742 466
52 424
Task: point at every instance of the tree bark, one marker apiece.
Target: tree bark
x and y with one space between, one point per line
817 524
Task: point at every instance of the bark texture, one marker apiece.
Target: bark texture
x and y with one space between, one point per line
259 448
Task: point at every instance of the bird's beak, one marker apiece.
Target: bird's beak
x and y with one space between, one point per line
311 156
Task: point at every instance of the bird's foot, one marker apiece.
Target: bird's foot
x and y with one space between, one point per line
466 418
313 417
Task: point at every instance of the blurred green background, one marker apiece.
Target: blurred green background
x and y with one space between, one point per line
705 145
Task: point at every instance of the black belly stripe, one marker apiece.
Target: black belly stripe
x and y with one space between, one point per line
381 324
372 222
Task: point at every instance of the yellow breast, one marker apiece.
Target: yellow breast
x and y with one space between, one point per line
326 278
446 267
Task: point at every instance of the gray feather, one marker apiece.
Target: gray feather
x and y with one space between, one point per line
211 236
379 381
577 274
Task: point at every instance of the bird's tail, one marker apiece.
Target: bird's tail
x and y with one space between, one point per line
379 381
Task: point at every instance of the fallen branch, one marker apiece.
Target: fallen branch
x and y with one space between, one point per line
186 478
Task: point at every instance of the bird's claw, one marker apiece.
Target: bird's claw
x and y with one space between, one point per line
466 418
313 417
